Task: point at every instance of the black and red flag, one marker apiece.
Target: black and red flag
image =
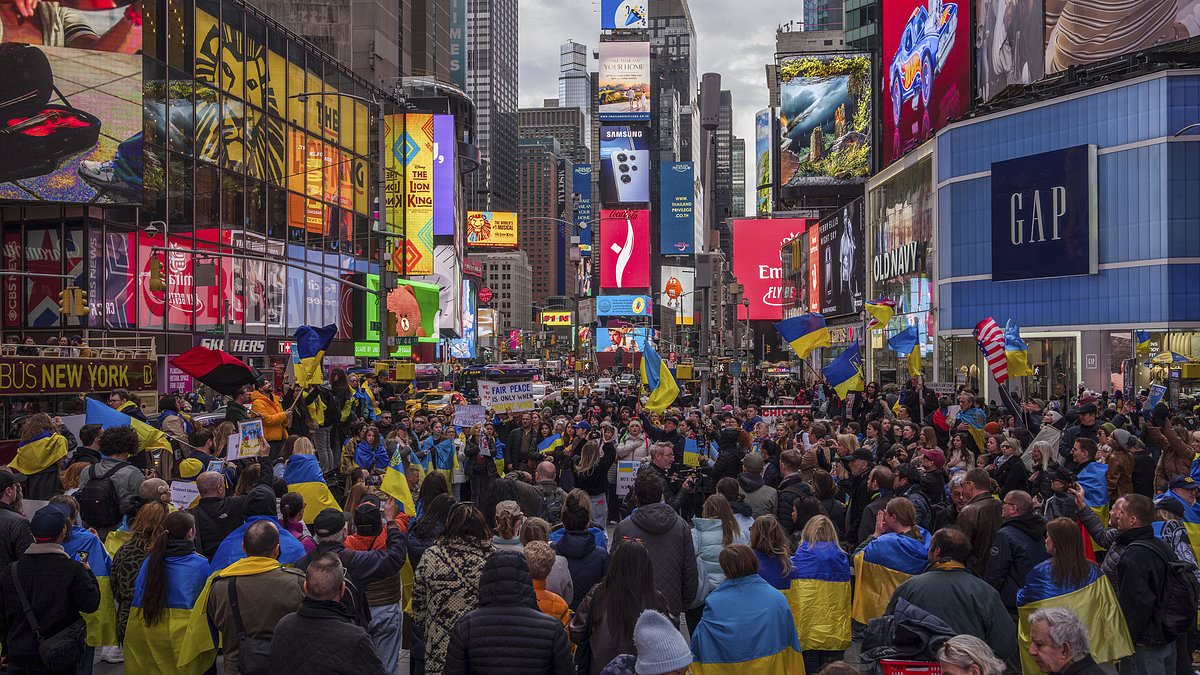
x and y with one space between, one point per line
223 373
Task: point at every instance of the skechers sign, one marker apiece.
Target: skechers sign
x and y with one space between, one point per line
1044 215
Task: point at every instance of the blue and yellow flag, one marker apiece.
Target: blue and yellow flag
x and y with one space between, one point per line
549 444
691 453
83 546
804 333
845 373
499 458
395 483
442 456
881 310
976 419
1190 521
881 566
658 380
156 649
1141 340
735 611
1093 478
1094 602
914 362
230 550
1016 351
303 476
309 352
366 397
149 438
820 596
903 342
198 644
40 453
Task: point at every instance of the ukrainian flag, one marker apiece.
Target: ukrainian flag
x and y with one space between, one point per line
882 565
845 373
1016 351
230 550
820 596
395 483
303 476
40 453
1093 478
804 333
881 310
658 380
116 539
746 628
1142 339
691 453
499 459
906 343
82 545
444 457
310 347
1190 522
155 649
367 397
198 644
914 362
1094 602
549 444
149 438
975 418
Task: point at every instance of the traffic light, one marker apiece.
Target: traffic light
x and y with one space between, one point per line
81 302
157 283
64 301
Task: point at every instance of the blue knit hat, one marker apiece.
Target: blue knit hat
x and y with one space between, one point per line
661 647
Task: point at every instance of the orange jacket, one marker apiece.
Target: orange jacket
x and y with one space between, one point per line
552 603
274 419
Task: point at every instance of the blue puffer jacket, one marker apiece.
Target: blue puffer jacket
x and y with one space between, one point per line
587 562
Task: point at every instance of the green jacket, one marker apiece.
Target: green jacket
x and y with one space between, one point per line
236 412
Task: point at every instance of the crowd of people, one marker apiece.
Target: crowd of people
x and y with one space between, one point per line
896 524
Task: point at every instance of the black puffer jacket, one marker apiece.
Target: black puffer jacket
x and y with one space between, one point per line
668 540
1018 546
587 562
508 633
15 536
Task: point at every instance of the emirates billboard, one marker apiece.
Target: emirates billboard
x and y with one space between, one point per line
757 265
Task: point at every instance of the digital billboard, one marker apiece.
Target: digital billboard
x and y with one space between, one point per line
757 266
443 175
623 305
764 153
677 205
1079 32
447 276
464 347
491 229
1008 44
624 81
420 156
581 186
556 318
926 70
72 114
623 14
624 165
843 260
824 119
487 323
624 248
414 305
678 293
627 337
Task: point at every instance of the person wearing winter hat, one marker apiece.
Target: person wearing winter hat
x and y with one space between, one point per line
662 650
1120 464
190 468
260 505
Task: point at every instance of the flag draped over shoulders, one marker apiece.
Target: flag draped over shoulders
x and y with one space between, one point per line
740 609
303 476
1093 601
881 566
198 644
820 596
154 648
39 453
230 550
82 545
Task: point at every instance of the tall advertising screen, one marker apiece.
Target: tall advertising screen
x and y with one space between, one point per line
1008 44
623 305
72 114
464 347
624 248
491 229
757 266
926 70
764 152
421 154
678 293
624 91
623 15
581 186
624 165
1086 32
627 338
824 119
677 204
843 260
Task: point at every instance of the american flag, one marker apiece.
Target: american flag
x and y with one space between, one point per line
990 338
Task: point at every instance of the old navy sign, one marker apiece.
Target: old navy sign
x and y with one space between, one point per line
1044 215
896 262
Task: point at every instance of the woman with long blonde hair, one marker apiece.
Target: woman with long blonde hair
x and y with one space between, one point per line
712 532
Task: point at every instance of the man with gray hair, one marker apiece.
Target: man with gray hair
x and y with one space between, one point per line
1059 643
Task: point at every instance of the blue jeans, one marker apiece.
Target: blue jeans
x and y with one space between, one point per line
386 631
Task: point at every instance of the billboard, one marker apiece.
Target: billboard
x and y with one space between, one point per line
926 70
443 175
1086 32
764 165
624 91
415 307
581 186
678 293
419 187
677 205
624 165
757 266
813 242
491 229
458 43
72 117
623 305
1008 44
464 347
824 119
487 323
623 15
843 261
627 337
447 276
556 318
624 248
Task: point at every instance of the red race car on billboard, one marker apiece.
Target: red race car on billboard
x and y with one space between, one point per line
926 42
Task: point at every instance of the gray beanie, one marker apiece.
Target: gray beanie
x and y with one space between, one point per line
661 647
1121 436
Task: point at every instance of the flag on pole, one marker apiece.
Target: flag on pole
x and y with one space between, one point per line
1142 339
914 362
311 344
223 373
903 342
658 380
845 373
990 338
881 310
805 333
1016 352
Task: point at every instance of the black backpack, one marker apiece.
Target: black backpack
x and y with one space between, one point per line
99 502
1180 595
552 505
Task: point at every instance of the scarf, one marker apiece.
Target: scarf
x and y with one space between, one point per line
198 641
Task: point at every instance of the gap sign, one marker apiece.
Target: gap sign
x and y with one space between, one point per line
1044 215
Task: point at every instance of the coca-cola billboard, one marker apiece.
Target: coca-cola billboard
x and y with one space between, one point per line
757 265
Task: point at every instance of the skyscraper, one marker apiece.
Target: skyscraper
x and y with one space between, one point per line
363 35
574 83
492 83
738 162
673 55
543 233
822 14
723 162
567 125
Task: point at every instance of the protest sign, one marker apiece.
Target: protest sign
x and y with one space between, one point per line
506 397
248 442
626 473
184 494
467 416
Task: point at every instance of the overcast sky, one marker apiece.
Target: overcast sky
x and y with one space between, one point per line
736 39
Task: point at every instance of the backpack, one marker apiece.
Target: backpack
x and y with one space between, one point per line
941 516
552 505
1180 595
99 502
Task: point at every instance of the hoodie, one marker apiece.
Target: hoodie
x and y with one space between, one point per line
668 540
586 561
1019 545
760 497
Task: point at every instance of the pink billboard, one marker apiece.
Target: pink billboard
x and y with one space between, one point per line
624 248
757 266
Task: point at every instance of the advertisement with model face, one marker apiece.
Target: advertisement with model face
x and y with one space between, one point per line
624 165
824 119
1008 44
842 261
624 248
926 70
624 91
757 263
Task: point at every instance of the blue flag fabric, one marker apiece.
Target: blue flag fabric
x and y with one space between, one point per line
804 333
309 352
845 373
230 550
904 341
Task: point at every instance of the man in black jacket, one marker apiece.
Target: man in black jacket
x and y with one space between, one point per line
907 483
855 487
1085 428
920 400
322 636
1140 578
216 515
792 492
14 529
507 632
521 445
667 433
1017 547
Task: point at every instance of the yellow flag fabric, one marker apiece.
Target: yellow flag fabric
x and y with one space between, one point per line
873 588
787 661
150 438
195 644
1096 605
115 540
1018 363
914 362
821 610
39 454
102 623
